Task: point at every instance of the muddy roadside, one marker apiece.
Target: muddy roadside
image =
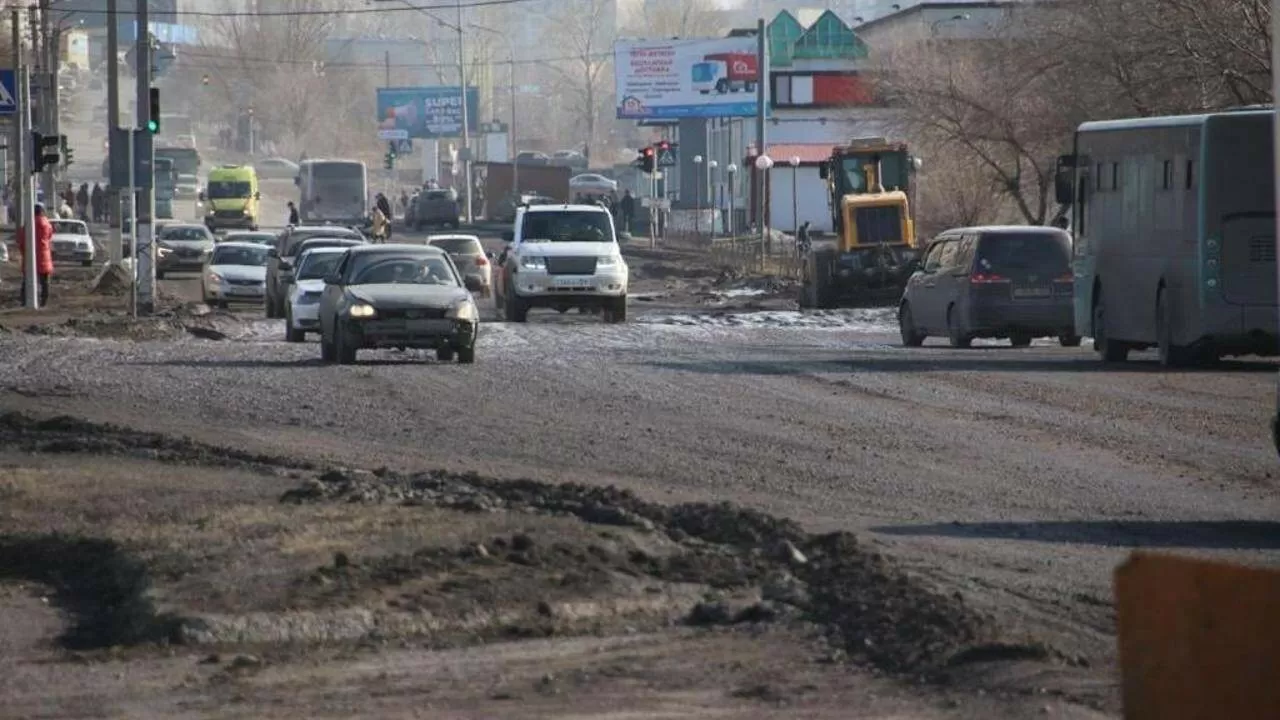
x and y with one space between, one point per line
223 575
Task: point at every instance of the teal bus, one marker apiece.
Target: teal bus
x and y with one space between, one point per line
1173 229
166 181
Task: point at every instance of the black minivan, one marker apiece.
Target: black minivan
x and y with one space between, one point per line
991 282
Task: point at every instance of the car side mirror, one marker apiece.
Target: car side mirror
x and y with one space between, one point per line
200 196
472 283
332 279
257 196
508 236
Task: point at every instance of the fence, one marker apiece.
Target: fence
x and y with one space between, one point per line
776 256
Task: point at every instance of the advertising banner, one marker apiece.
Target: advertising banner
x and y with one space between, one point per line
686 78
425 112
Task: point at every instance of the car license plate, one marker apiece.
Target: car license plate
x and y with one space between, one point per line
1032 292
244 291
574 282
430 327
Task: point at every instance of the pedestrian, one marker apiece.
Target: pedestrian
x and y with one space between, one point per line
384 205
628 207
82 202
44 254
97 203
381 226
293 214
803 242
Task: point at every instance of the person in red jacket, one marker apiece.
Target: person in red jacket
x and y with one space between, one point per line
44 254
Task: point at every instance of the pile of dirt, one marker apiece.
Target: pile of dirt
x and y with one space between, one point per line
193 320
64 434
876 612
112 280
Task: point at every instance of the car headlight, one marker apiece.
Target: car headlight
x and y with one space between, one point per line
533 262
361 311
215 278
609 260
465 310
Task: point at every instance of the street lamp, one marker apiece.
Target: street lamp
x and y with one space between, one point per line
462 87
711 196
763 163
697 194
511 131
795 214
732 169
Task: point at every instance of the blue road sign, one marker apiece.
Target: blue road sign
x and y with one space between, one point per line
427 112
8 92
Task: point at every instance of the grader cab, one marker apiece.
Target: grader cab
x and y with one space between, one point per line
875 249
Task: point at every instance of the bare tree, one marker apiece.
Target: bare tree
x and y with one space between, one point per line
683 19
955 190
584 34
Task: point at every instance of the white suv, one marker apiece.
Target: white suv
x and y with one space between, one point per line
561 257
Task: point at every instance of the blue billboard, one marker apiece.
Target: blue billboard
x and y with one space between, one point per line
425 112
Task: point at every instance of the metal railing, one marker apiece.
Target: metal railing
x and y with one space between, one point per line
777 257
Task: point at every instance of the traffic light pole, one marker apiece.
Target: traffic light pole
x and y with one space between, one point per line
144 252
31 285
114 148
48 120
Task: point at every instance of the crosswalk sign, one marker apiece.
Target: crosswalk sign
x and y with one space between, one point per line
666 156
8 92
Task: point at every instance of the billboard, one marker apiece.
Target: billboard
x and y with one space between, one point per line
425 112
686 78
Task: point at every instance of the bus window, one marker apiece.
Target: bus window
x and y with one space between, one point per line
1191 174
1166 183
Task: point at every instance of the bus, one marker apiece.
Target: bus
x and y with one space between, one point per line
166 180
1173 222
333 191
186 161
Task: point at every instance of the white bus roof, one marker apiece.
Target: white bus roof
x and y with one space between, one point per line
1167 121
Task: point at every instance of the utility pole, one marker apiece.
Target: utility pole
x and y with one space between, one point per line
143 154
48 84
27 218
515 166
115 146
466 132
762 100
17 143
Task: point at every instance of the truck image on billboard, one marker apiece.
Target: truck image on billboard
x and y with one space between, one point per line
686 78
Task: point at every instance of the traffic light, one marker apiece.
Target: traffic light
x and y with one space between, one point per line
65 146
153 116
389 161
648 160
44 151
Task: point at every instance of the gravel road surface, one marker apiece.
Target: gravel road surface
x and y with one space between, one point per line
1018 478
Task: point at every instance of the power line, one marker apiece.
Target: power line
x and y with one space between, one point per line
304 13
232 61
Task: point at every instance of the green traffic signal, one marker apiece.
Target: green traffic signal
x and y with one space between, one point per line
153 127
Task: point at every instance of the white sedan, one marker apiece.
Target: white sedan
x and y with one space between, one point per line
235 272
72 242
302 314
592 183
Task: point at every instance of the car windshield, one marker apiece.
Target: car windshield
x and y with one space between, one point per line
317 265
1041 252
185 234
458 246
69 227
569 226
300 236
239 256
314 243
220 189
439 195
404 269
260 238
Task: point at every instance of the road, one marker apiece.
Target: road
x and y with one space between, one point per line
1018 478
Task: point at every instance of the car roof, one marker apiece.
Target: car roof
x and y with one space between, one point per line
453 236
1006 229
563 208
321 228
175 226
325 250
248 245
250 233
331 238
395 247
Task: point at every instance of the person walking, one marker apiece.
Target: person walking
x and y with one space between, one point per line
293 214
44 254
627 206
82 202
97 203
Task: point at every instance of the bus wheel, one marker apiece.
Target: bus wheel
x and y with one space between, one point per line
1170 355
1109 350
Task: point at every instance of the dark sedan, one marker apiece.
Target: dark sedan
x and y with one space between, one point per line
399 296
189 246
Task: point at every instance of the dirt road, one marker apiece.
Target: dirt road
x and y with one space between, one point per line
1016 479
